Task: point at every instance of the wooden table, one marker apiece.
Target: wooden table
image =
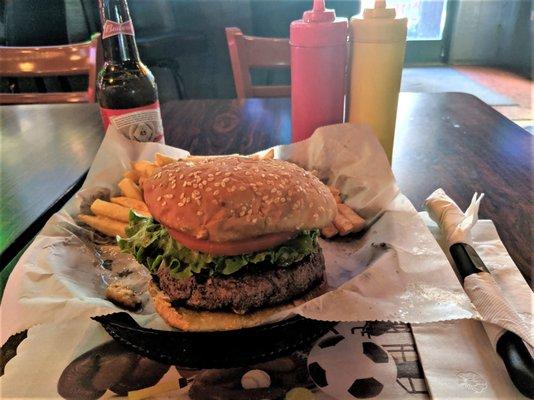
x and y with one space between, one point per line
45 152
447 140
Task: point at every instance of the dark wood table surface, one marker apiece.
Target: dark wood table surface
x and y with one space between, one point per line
45 151
448 140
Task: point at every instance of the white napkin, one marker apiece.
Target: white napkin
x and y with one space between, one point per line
481 288
455 224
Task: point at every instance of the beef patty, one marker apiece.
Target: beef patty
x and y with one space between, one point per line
245 290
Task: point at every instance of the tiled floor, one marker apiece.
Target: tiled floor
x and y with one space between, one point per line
516 87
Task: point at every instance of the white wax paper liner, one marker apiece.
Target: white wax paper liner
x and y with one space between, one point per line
396 271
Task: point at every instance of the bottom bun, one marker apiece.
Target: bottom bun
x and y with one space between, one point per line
187 319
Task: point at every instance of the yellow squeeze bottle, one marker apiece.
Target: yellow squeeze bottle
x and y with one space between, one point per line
378 41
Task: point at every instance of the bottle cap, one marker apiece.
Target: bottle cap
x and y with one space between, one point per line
318 27
378 25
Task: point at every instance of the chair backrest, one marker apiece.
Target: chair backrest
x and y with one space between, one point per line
251 51
45 61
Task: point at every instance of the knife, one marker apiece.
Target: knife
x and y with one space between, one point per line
516 356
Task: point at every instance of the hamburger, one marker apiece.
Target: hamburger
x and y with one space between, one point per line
231 240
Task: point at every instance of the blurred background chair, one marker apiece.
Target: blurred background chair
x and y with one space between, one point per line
249 52
45 61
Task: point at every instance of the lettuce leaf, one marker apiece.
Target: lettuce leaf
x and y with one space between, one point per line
151 245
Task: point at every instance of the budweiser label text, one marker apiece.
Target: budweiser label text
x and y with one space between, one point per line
116 28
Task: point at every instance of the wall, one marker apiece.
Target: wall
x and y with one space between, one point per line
493 33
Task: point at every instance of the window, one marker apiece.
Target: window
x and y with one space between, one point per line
426 18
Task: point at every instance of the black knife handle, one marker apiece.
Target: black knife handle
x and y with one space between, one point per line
518 362
467 260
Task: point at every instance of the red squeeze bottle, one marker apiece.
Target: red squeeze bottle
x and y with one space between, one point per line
318 62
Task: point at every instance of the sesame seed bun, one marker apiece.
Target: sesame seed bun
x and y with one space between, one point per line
231 198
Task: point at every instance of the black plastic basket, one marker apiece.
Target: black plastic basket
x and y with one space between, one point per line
221 349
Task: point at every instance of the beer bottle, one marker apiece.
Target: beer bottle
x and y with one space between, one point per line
126 88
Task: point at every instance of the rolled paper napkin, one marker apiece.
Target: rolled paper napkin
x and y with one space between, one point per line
454 224
481 288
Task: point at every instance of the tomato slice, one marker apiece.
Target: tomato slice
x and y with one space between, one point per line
232 248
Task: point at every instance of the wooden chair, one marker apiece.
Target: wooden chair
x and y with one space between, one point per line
251 51
45 61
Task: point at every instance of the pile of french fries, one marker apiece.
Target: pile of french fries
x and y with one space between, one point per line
346 220
111 217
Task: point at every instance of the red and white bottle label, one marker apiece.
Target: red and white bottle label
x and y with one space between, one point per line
112 28
142 124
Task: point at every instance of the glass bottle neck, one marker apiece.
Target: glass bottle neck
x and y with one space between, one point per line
118 47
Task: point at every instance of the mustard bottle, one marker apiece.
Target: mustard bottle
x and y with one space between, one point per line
378 41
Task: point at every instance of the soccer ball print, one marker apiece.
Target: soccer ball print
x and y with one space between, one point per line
349 365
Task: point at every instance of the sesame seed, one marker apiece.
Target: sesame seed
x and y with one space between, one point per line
199 213
159 198
215 193
168 196
163 203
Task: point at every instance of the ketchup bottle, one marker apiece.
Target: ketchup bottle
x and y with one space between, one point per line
318 62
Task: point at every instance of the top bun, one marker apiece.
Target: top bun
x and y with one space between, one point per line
231 198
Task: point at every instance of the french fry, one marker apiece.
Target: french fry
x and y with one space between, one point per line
141 181
357 221
336 193
329 231
269 155
162 159
130 189
342 224
110 210
144 168
130 174
263 155
134 204
105 225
